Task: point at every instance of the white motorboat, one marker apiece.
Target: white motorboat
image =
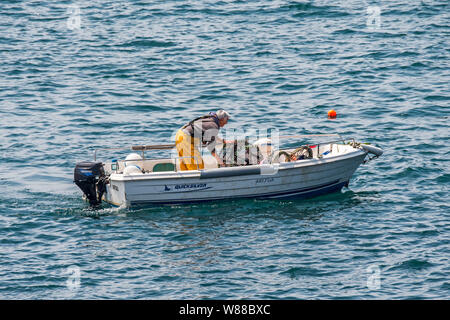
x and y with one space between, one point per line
137 180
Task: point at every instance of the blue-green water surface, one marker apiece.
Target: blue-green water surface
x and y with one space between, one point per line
78 75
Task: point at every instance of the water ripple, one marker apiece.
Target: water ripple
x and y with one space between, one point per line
135 71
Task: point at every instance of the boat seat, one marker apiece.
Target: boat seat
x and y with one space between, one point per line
159 165
162 167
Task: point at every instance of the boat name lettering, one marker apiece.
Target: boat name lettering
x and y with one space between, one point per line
190 186
264 180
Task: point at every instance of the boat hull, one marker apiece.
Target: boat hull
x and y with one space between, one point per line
294 180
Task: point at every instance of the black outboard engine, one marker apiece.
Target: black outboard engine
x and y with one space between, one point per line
91 179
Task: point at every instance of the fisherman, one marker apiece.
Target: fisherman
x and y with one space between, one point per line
202 131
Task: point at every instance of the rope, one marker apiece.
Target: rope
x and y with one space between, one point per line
311 135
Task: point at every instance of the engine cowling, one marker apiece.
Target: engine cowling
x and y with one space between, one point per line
91 179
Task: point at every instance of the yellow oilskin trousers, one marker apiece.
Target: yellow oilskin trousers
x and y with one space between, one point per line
188 151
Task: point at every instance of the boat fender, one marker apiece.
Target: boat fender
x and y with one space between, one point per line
132 158
374 150
229 172
132 170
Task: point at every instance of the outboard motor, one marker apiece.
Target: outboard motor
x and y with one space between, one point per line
91 179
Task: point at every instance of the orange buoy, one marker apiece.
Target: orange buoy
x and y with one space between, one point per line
332 114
